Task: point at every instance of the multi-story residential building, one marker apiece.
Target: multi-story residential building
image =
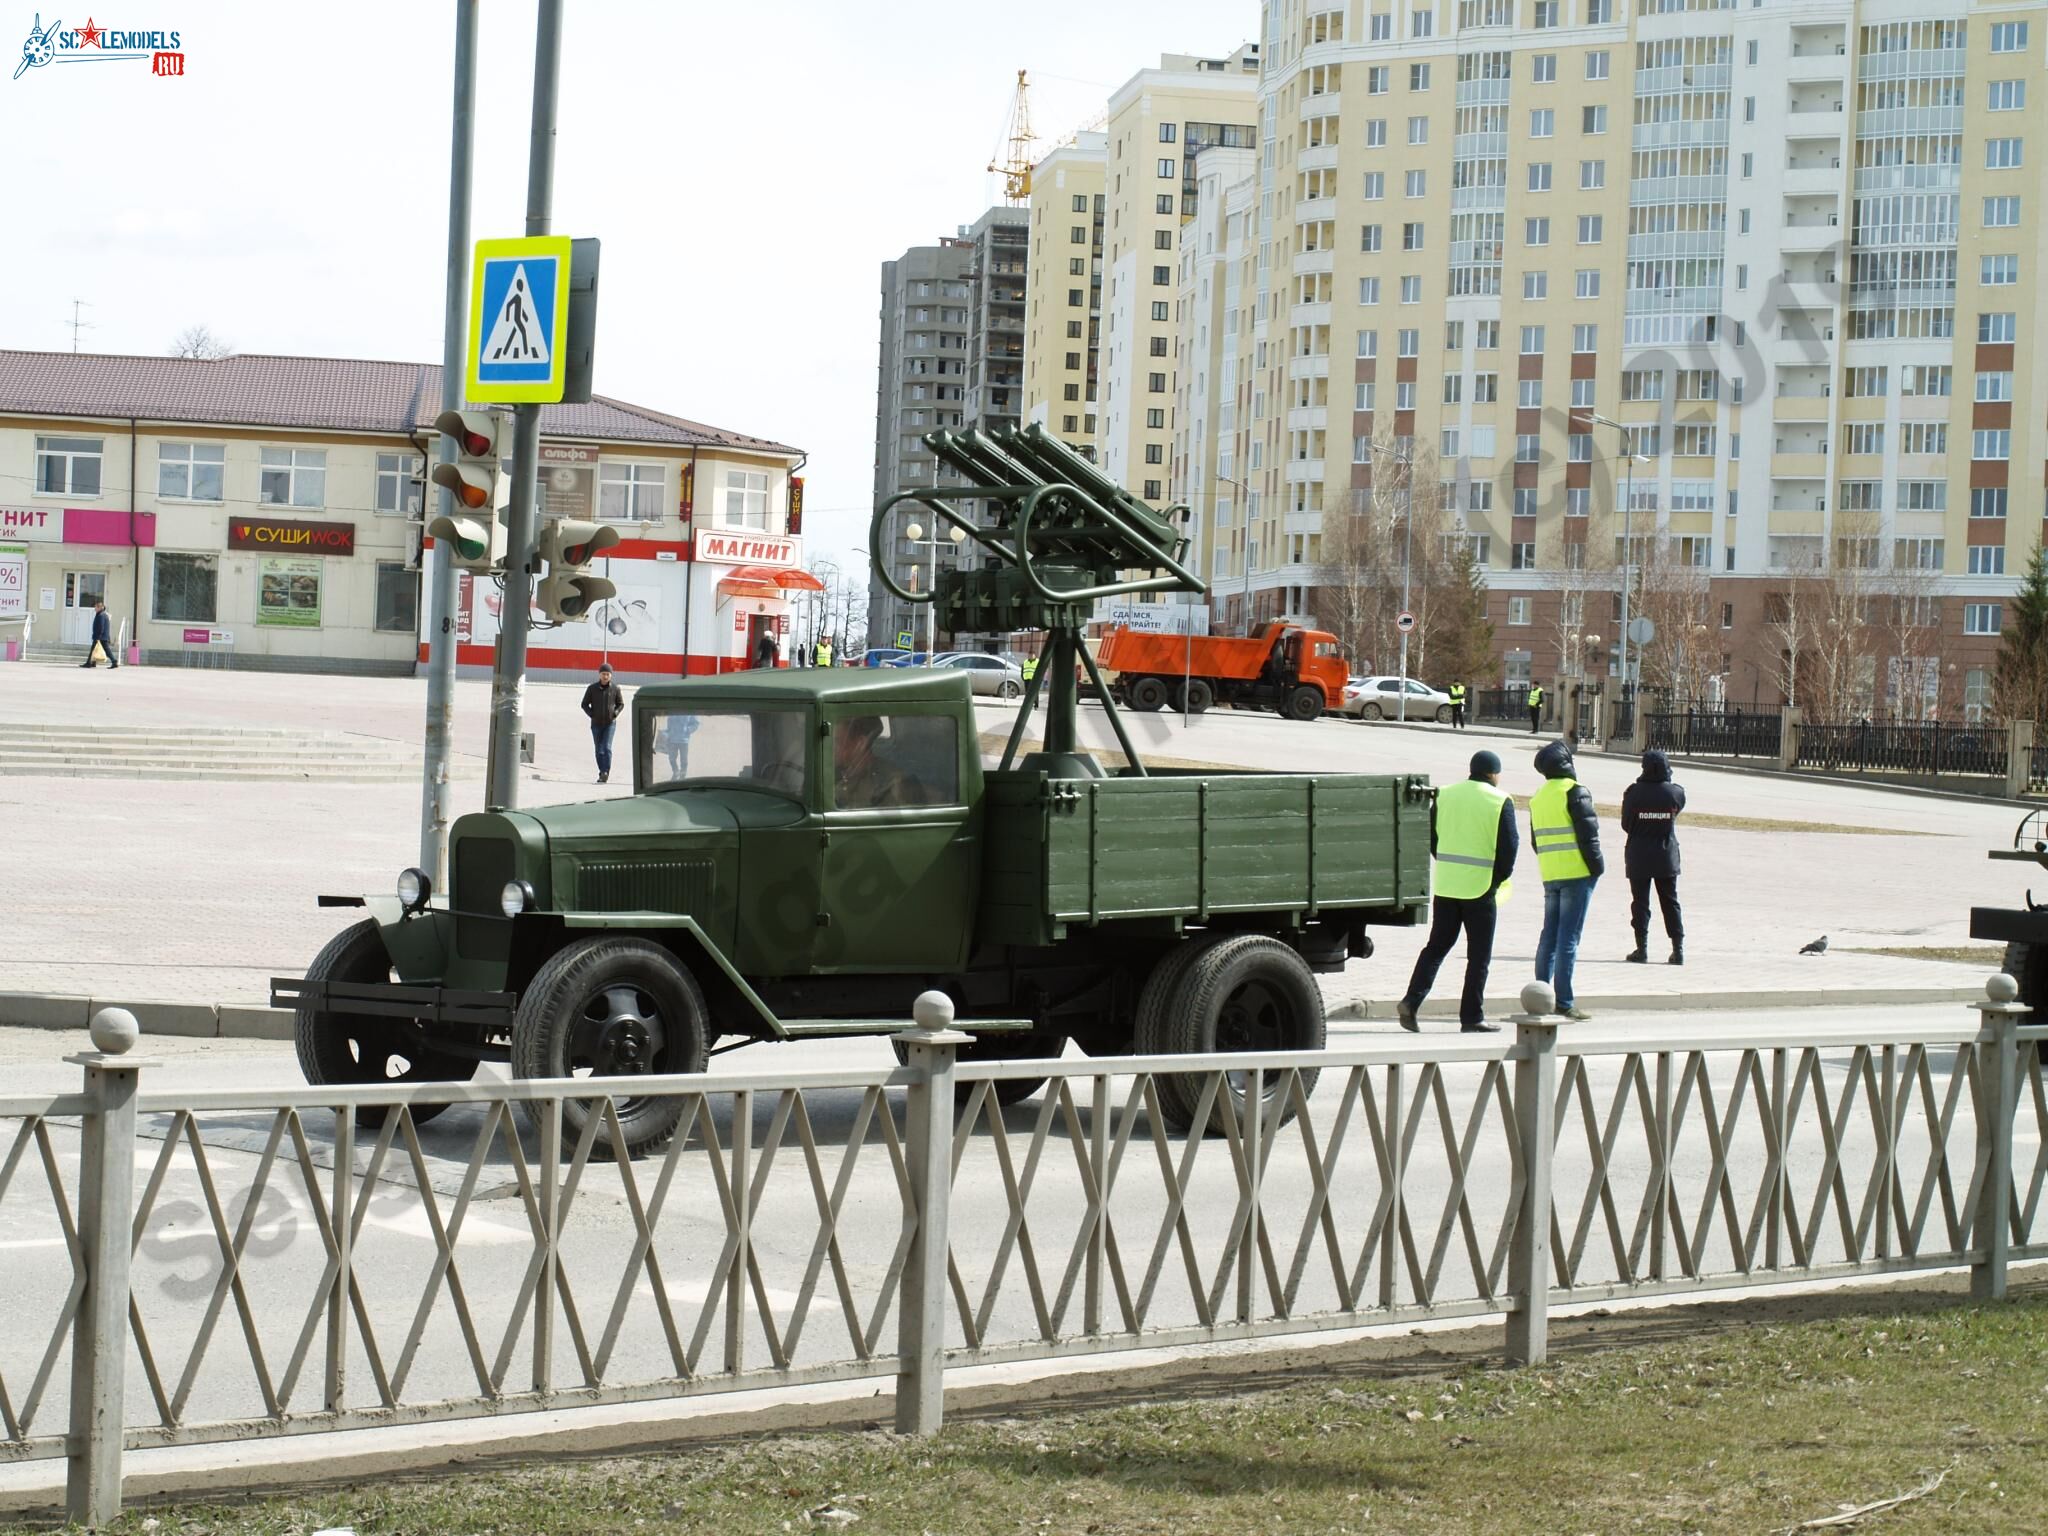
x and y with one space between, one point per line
1063 318
265 512
1743 282
952 355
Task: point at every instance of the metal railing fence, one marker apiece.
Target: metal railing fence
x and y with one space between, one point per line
1927 748
1721 733
283 1269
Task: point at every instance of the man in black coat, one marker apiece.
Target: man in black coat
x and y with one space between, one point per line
1649 817
102 636
603 703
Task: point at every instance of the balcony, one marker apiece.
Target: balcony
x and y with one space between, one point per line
1316 367
1807 293
1321 157
1811 180
1812 407
1309 314
1329 104
1819 235
1816 64
1797 522
1799 466
1812 124
1315 261
1308 418
1304 471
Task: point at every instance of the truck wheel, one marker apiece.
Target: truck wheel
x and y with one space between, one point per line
1148 694
2027 964
1195 697
613 1008
339 1048
1305 703
1371 712
1245 993
1002 1046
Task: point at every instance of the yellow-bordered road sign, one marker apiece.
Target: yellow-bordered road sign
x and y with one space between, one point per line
518 320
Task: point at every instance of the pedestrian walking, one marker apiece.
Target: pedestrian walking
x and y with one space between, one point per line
1535 702
1565 833
764 651
1649 820
102 643
603 703
1474 842
1457 706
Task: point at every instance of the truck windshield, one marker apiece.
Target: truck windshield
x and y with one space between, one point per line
759 749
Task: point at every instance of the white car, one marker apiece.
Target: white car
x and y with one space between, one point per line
989 674
1379 698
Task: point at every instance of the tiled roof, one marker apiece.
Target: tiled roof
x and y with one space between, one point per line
342 394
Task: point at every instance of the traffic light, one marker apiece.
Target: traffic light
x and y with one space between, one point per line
568 546
474 532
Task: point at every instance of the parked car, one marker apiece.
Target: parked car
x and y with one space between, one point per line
989 674
1379 698
880 656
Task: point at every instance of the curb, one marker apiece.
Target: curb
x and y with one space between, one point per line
1678 1002
192 1021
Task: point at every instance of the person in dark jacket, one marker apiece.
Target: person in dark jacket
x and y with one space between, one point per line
603 703
1649 818
102 636
1473 840
1565 833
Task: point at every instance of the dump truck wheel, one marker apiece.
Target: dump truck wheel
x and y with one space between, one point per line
1148 694
1000 1047
610 1007
1195 697
340 1048
2027 964
1304 703
1245 993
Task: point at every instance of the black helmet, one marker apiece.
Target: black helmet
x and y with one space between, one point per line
1554 760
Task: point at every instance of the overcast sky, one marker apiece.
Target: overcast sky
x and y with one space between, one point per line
748 168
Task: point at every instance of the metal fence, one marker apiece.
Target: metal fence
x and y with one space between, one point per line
1511 704
1699 733
1927 748
286 1269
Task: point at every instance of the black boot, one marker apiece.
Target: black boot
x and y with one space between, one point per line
1640 955
1678 951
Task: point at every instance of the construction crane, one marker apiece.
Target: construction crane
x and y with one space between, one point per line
1012 158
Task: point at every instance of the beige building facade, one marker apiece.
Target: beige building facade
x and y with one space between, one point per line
1063 298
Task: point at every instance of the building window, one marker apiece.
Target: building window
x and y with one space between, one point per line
1166 132
1409 344
184 589
293 477
1523 556
1162 276
1073 393
399 487
1368 290
1156 383
1529 395
189 471
1991 443
1376 133
1417 184
1545 13
1532 340
2001 212
1418 130
1535 285
1539 175
1599 13
1998 271
1988 501
2008 37
1983 618
2007 95
1155 420
1151 490
1544 68
1592 175
1423 23
1411 237
1542 123
68 466
398 597
1590 226
1987 560
2002 154
1592 119
1418 77
1535 231
1596 61
1585 338
1377 81
1369 238
1589 282
632 493
1169 170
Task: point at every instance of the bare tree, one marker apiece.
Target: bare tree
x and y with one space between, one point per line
198 341
1395 523
1676 597
1906 620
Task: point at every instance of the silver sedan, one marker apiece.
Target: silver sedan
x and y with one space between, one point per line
989 674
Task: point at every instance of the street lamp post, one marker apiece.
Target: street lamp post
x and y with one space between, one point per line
956 535
1628 552
1403 456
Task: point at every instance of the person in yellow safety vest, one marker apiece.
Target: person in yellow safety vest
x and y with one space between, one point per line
1473 838
1030 668
1458 706
821 653
1535 707
1565 833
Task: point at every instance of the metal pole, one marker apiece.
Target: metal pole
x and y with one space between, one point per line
1529 1257
1407 554
508 685
442 590
1997 1052
933 1046
1628 555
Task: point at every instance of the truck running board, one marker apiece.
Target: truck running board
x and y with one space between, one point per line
797 1029
438 1005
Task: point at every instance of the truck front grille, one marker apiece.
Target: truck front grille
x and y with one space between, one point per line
482 868
644 885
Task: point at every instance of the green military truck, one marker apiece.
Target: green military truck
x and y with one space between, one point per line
807 851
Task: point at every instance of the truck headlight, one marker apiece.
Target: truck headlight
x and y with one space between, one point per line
414 890
517 897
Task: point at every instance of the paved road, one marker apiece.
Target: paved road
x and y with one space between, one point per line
94 868
179 1263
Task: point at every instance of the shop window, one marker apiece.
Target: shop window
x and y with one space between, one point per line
68 466
746 499
184 588
631 493
399 486
398 598
189 471
293 477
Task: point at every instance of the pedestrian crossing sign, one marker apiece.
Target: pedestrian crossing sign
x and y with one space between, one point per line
518 320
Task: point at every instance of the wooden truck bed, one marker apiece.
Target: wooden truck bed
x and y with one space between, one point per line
1194 846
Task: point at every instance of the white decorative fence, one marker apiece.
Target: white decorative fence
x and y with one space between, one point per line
236 1263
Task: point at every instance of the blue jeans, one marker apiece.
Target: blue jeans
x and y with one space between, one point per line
601 738
1564 919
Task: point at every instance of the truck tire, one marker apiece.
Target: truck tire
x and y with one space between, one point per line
613 1008
1195 696
341 1048
1249 992
2027 964
1150 1034
1148 694
1304 703
1003 1046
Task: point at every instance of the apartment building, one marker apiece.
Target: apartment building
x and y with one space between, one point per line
952 355
1063 308
1753 284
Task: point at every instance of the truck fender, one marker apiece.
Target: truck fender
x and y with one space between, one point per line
689 941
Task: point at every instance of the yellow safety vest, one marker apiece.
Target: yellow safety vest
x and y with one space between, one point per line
1550 830
1457 693
1467 836
1030 668
823 654
1535 697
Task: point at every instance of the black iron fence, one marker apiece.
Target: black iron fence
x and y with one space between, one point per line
1715 733
1501 704
1926 748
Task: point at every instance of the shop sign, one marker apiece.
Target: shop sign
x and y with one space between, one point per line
13 580
32 525
747 549
567 453
288 592
209 637
796 503
277 533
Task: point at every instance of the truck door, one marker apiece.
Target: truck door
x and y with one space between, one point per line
901 859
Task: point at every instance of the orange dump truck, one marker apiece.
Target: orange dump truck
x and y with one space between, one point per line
1299 672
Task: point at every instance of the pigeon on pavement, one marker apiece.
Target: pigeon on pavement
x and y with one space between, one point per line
1818 947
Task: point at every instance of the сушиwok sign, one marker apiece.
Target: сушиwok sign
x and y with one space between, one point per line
305 538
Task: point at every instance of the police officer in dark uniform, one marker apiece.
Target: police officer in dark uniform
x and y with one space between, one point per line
1649 816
